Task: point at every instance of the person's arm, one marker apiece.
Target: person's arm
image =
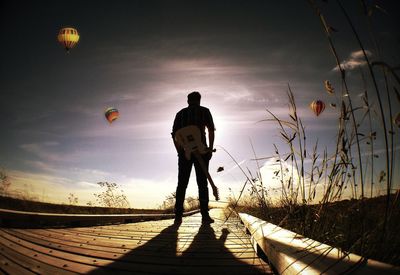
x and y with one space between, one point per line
174 129
176 144
211 129
211 136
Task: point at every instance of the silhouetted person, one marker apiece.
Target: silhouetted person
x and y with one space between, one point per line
201 117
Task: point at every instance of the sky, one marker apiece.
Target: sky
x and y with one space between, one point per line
143 58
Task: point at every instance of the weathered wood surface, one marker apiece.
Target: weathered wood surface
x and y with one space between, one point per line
151 247
12 218
294 254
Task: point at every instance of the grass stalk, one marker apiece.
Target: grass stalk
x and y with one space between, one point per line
382 113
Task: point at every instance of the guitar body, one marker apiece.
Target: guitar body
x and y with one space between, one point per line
189 138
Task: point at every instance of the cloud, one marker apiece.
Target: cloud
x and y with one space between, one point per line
356 59
41 186
42 150
49 153
40 166
140 192
83 183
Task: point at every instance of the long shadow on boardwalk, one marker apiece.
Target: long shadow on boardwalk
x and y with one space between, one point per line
205 255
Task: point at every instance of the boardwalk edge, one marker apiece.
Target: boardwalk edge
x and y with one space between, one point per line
291 253
12 218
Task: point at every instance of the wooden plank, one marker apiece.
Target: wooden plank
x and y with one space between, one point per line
13 218
30 261
154 247
57 243
192 270
8 266
100 257
130 243
134 234
126 238
292 253
103 252
127 263
34 258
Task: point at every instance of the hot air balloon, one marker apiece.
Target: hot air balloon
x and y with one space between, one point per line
111 114
317 106
68 37
328 87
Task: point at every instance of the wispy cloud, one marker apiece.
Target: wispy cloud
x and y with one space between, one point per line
55 189
41 186
42 150
49 155
355 60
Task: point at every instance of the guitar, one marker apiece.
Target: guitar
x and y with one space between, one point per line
189 138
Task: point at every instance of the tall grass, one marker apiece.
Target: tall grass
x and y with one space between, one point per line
314 181
389 146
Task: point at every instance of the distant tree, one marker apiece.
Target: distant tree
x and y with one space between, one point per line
5 183
111 196
73 200
193 203
169 201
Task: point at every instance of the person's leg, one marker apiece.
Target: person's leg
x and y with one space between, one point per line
202 185
184 169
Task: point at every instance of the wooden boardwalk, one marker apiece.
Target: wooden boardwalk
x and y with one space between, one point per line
152 247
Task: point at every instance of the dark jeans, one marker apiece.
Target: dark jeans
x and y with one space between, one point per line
184 169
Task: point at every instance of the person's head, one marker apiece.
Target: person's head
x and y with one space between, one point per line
194 98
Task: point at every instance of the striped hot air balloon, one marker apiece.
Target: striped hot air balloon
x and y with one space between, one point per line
328 87
68 37
317 106
111 114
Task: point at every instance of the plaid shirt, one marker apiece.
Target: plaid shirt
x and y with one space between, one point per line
194 115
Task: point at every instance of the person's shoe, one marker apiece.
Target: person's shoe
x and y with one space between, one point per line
178 220
207 219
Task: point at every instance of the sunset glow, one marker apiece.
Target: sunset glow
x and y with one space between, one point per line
143 58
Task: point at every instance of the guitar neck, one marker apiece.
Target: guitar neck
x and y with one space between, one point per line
203 167
205 170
